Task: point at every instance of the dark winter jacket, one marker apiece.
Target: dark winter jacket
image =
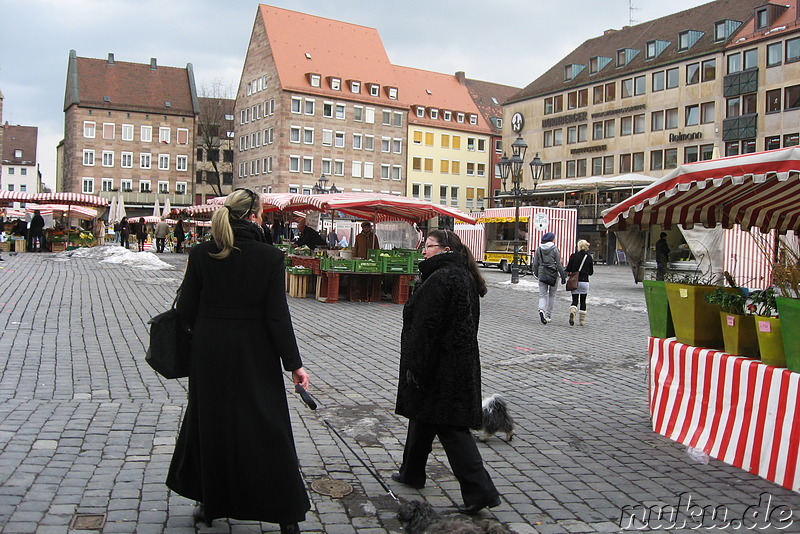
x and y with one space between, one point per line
575 262
235 451
547 264
440 370
37 225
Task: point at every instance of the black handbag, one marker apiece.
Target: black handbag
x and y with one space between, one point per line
170 350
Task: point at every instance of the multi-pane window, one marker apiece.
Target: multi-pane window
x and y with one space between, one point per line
327 110
657 81
108 158
294 134
294 163
358 141
146 134
750 58
774 54
145 161
89 129
397 146
297 105
358 113
88 157
107 184
308 106
709 70
163 162
144 186
127 132
369 142
338 140
308 164
163 135
308 136
692 116
180 187
163 188
126 160
692 73
386 144
182 163
673 76
126 186
340 111
87 185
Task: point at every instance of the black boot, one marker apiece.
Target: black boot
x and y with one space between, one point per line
199 515
290 528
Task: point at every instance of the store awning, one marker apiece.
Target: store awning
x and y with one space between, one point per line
758 190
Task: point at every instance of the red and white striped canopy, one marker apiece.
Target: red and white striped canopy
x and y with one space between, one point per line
81 212
70 199
759 190
371 206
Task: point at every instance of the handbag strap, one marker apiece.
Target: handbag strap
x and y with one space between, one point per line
583 260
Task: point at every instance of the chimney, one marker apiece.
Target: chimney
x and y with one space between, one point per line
608 32
461 77
110 58
153 65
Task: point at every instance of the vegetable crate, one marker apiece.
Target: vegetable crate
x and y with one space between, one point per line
299 270
397 265
367 266
337 265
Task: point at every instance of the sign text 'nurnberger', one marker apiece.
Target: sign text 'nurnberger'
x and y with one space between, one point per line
565 119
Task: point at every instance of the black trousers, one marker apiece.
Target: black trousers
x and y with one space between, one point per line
160 242
462 452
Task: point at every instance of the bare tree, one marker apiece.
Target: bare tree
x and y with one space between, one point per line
215 136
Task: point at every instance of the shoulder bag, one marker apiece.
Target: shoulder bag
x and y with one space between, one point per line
169 353
572 280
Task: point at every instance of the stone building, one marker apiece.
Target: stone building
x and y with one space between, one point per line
20 170
215 140
129 127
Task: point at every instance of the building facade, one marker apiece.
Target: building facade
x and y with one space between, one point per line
129 128
215 143
20 171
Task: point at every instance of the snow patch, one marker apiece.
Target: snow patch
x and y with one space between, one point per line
117 254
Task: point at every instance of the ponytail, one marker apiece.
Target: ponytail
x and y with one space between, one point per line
239 204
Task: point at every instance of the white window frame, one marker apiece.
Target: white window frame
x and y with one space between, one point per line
338 139
122 160
397 172
295 134
315 80
338 167
397 120
386 171
146 134
145 160
87 185
163 162
108 158
327 137
180 188
309 106
340 111
294 163
374 89
397 145
358 141
127 132
358 113
181 163
355 87
308 136
356 169
164 133
89 129
178 136
473 119
147 183
113 130
163 187
386 144
369 142
336 84
421 112
107 184
297 105
308 165
447 115
369 115
369 170
88 157
126 185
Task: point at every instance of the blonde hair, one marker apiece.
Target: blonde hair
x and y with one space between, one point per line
238 205
583 245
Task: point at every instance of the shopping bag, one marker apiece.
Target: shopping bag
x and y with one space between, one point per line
169 353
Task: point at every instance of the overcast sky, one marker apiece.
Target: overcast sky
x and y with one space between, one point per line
503 41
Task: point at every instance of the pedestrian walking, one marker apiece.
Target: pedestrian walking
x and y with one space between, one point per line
100 231
580 262
235 453
547 267
141 233
124 232
117 230
160 233
180 235
36 232
439 388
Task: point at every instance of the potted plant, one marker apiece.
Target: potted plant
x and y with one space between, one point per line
738 329
655 295
768 327
696 321
786 273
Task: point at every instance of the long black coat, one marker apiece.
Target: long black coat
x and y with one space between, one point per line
440 370
235 451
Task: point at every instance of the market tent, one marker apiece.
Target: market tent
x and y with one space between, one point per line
167 209
69 199
758 190
112 211
156 209
593 183
753 191
80 212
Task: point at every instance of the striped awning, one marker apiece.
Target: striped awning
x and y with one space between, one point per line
759 190
81 212
70 199
370 206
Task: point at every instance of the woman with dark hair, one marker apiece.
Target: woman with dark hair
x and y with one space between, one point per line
439 389
141 233
235 453
124 232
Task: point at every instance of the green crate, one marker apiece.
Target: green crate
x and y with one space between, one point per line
299 270
337 265
367 266
397 265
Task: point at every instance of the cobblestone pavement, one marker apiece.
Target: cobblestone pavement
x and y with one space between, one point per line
86 427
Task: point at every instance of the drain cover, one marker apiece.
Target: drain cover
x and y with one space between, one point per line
331 487
88 522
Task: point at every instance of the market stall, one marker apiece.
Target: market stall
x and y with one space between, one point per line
733 408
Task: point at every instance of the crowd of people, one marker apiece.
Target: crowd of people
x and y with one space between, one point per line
140 229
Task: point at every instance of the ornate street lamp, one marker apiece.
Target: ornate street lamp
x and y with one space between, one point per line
512 167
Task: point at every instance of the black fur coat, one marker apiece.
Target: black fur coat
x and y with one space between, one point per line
440 371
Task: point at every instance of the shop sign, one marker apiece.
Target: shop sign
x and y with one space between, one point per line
500 219
595 148
565 119
676 138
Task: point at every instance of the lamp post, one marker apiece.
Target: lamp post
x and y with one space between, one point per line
319 189
512 167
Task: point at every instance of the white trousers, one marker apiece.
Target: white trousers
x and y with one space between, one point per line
547 298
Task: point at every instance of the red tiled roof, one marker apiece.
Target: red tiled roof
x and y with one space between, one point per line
441 91
19 138
668 28
484 94
786 22
129 86
303 43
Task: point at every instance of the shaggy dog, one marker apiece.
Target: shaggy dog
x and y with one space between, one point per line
496 418
421 518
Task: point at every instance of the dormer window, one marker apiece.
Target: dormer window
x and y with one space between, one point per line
762 19
336 83
725 28
374 89
473 119
392 93
625 55
654 48
572 70
597 63
355 87
688 38
447 115
315 80
420 112
460 118
434 113
498 122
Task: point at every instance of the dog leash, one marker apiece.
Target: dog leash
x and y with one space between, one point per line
313 406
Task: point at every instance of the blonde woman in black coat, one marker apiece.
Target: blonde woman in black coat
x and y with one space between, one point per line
439 390
235 453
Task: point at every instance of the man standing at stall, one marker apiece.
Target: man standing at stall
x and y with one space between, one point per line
161 233
36 232
365 241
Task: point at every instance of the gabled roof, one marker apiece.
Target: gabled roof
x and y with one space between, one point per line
489 98
329 48
439 91
668 28
119 85
19 138
785 22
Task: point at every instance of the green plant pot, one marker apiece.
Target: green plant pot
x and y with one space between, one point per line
789 312
739 334
770 341
696 321
655 294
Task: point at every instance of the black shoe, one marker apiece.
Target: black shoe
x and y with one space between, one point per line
199 515
542 317
472 509
397 478
290 528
